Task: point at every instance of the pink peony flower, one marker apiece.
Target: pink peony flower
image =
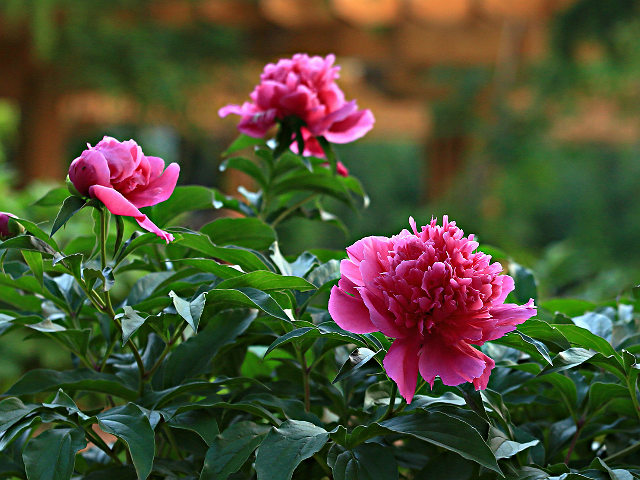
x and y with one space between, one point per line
124 179
303 87
7 230
434 296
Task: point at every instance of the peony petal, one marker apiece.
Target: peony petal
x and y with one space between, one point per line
158 190
351 271
89 169
118 205
351 128
401 364
380 316
454 364
349 312
507 317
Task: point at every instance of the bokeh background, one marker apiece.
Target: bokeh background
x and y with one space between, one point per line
518 118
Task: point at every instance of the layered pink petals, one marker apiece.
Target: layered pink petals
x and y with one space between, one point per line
124 179
302 87
435 296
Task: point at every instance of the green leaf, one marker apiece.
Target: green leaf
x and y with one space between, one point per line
584 338
540 347
319 182
191 358
69 208
264 280
136 241
52 454
600 394
52 198
596 323
211 266
43 380
246 259
247 166
183 199
12 410
566 359
356 359
190 311
525 283
571 307
242 232
447 432
131 425
286 446
543 331
565 386
231 449
131 321
248 297
31 243
369 461
119 234
503 447
34 260
243 141
200 421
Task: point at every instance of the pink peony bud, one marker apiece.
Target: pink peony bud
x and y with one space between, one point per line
9 229
124 179
303 87
434 296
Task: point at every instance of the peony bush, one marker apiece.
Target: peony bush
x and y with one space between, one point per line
208 354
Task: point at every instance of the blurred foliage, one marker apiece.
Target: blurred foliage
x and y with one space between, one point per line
118 45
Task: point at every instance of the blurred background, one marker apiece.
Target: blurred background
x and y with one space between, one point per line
518 118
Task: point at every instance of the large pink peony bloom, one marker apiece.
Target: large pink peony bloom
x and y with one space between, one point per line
124 179
303 87
430 292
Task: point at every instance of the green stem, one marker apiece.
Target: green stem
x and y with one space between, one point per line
149 374
108 353
579 426
291 209
98 442
305 378
321 461
623 453
172 441
631 385
392 402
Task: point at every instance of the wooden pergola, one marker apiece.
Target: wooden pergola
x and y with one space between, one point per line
384 47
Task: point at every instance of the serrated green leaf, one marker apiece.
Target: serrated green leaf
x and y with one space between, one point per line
231 449
130 424
286 446
52 454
